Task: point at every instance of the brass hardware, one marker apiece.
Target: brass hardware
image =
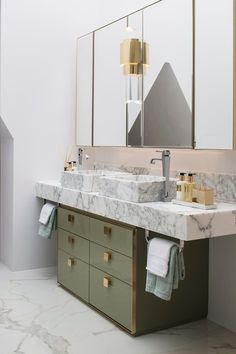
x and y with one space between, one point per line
71 218
71 262
134 56
106 256
71 239
107 230
106 282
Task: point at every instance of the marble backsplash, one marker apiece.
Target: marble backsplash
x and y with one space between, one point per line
224 184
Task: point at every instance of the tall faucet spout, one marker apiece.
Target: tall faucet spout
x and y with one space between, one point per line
165 158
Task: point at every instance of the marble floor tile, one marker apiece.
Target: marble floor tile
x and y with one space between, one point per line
39 317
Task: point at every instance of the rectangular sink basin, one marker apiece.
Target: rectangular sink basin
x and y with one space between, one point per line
136 188
86 180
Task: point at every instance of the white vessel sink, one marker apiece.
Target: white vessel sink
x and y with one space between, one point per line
136 188
85 180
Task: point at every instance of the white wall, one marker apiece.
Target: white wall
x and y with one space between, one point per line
6 195
38 104
38 42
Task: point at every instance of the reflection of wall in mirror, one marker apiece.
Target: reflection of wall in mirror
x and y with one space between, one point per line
167 115
167 85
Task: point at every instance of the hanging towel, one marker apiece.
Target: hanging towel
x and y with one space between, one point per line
45 230
162 287
159 256
46 213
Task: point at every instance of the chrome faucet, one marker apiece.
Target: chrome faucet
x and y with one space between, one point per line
165 158
80 157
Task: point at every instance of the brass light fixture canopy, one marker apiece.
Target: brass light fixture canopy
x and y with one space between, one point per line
134 56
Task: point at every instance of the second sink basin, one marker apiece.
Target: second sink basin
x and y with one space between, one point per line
136 188
86 180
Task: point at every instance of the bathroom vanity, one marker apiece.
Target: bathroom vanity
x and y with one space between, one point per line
103 262
102 253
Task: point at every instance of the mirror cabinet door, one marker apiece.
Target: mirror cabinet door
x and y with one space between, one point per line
154 107
109 87
168 81
214 74
84 90
134 84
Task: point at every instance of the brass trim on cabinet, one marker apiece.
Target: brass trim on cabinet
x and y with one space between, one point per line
134 289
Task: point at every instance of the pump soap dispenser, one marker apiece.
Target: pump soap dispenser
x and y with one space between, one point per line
181 187
189 188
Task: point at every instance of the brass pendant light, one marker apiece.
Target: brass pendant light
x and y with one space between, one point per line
134 60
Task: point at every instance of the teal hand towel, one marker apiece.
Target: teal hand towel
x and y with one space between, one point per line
46 230
163 287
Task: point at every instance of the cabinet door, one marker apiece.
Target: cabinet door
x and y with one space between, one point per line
84 90
214 74
73 274
168 81
109 87
111 296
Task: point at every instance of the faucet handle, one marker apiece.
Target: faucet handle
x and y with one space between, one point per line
164 152
80 152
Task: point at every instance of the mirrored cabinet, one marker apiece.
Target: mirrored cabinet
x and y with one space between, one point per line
109 95
84 91
214 74
168 82
160 77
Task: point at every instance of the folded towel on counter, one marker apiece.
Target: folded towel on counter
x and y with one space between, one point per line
45 230
46 213
159 256
162 287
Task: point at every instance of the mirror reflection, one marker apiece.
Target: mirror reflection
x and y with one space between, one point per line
142 79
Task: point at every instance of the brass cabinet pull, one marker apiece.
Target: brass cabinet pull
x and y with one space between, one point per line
107 230
106 256
71 240
71 218
71 262
106 282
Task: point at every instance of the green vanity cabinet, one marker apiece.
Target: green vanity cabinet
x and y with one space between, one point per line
74 245
111 296
73 252
112 262
74 222
103 262
73 274
114 236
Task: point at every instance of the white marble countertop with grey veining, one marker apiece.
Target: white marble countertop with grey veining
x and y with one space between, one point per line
177 221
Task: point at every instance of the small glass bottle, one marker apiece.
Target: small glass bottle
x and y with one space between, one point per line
74 166
190 185
180 187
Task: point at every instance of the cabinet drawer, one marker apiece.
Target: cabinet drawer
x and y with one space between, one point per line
114 300
73 274
117 238
111 262
73 222
74 245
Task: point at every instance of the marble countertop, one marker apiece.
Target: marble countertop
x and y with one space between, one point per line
177 221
